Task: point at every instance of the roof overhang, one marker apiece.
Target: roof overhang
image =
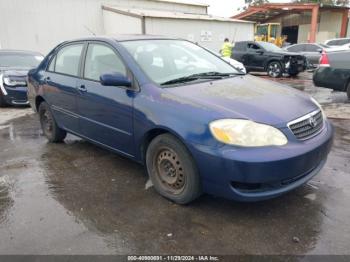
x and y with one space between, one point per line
265 12
142 13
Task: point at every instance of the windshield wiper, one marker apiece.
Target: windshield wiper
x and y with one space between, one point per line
205 75
213 74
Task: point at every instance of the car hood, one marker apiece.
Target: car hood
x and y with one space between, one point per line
18 72
247 97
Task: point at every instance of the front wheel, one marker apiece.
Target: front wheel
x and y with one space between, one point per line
293 74
2 100
274 69
172 169
49 126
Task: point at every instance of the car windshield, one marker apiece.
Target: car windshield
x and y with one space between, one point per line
270 47
168 60
12 59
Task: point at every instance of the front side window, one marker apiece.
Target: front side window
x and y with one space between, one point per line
270 47
312 48
165 60
296 48
101 59
68 59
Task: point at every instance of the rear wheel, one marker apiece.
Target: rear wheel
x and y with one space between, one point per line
49 126
274 69
172 169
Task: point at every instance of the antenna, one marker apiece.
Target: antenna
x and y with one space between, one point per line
90 31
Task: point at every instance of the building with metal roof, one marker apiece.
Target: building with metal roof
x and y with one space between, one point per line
311 22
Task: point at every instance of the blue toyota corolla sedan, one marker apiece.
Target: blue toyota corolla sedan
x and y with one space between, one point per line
198 124
14 66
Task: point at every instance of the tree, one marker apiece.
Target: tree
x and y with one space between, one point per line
256 2
252 3
326 2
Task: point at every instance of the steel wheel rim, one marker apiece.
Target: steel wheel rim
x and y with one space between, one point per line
47 123
274 70
169 171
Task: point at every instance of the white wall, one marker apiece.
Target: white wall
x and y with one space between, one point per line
41 24
115 23
194 29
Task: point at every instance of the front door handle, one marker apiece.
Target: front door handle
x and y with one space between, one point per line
82 88
47 79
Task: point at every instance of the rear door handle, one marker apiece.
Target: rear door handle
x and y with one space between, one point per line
82 88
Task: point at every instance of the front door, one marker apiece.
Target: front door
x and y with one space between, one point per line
106 112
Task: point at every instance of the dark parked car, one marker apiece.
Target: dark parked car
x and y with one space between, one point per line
196 123
14 66
334 71
267 57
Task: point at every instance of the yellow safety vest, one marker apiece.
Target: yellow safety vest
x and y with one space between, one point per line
226 50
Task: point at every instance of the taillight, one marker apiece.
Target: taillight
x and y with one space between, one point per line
324 61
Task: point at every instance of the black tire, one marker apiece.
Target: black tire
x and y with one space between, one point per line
172 169
2 100
274 69
348 91
293 74
49 126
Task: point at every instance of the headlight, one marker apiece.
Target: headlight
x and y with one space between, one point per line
319 106
13 82
246 133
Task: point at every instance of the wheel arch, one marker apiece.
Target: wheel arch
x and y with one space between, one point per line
270 61
38 101
152 134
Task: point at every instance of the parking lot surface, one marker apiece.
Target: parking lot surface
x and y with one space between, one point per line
75 198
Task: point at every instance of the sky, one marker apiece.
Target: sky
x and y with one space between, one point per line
227 8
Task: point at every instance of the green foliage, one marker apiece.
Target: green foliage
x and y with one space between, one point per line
326 2
256 2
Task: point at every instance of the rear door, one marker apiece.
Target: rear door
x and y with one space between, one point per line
106 112
61 80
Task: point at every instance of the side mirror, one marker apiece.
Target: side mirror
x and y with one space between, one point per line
115 79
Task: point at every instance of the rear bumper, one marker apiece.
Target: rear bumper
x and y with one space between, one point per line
253 174
331 78
15 96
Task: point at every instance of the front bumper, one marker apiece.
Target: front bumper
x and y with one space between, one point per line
15 95
253 174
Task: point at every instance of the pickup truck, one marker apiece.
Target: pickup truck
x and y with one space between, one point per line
267 57
334 71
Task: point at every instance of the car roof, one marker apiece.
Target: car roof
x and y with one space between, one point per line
14 51
124 37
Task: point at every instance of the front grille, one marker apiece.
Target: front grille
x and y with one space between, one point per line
307 126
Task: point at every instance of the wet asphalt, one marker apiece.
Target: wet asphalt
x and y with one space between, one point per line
75 198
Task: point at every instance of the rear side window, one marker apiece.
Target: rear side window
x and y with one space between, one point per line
101 59
240 46
312 48
67 60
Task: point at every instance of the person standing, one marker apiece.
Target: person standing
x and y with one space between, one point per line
226 49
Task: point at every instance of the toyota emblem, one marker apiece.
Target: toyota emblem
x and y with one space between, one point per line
312 121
